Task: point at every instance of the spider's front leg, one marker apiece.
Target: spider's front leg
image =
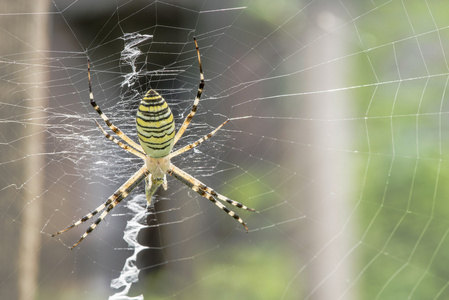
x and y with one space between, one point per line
208 193
112 202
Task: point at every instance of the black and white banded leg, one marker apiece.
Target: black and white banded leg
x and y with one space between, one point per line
112 201
201 189
114 128
189 117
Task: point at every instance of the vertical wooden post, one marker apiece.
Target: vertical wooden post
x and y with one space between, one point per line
327 236
23 34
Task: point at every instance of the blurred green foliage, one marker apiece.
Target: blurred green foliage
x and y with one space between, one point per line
403 208
253 272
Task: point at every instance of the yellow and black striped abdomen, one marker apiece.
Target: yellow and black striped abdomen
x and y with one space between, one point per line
155 125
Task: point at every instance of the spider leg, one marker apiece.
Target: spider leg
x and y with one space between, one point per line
106 119
208 190
225 199
200 188
122 145
86 217
195 103
112 201
193 145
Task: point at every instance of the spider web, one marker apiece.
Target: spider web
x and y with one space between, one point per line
336 136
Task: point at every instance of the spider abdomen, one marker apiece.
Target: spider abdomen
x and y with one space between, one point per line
155 125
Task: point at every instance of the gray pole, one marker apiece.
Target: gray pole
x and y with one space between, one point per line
327 237
22 37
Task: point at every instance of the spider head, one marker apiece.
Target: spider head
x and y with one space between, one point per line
158 167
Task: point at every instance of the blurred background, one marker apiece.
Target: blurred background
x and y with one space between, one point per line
338 119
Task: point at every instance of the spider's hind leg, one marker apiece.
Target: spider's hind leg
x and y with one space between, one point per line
114 128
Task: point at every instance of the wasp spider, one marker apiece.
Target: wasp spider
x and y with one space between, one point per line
156 132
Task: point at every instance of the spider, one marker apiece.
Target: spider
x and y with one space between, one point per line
156 132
